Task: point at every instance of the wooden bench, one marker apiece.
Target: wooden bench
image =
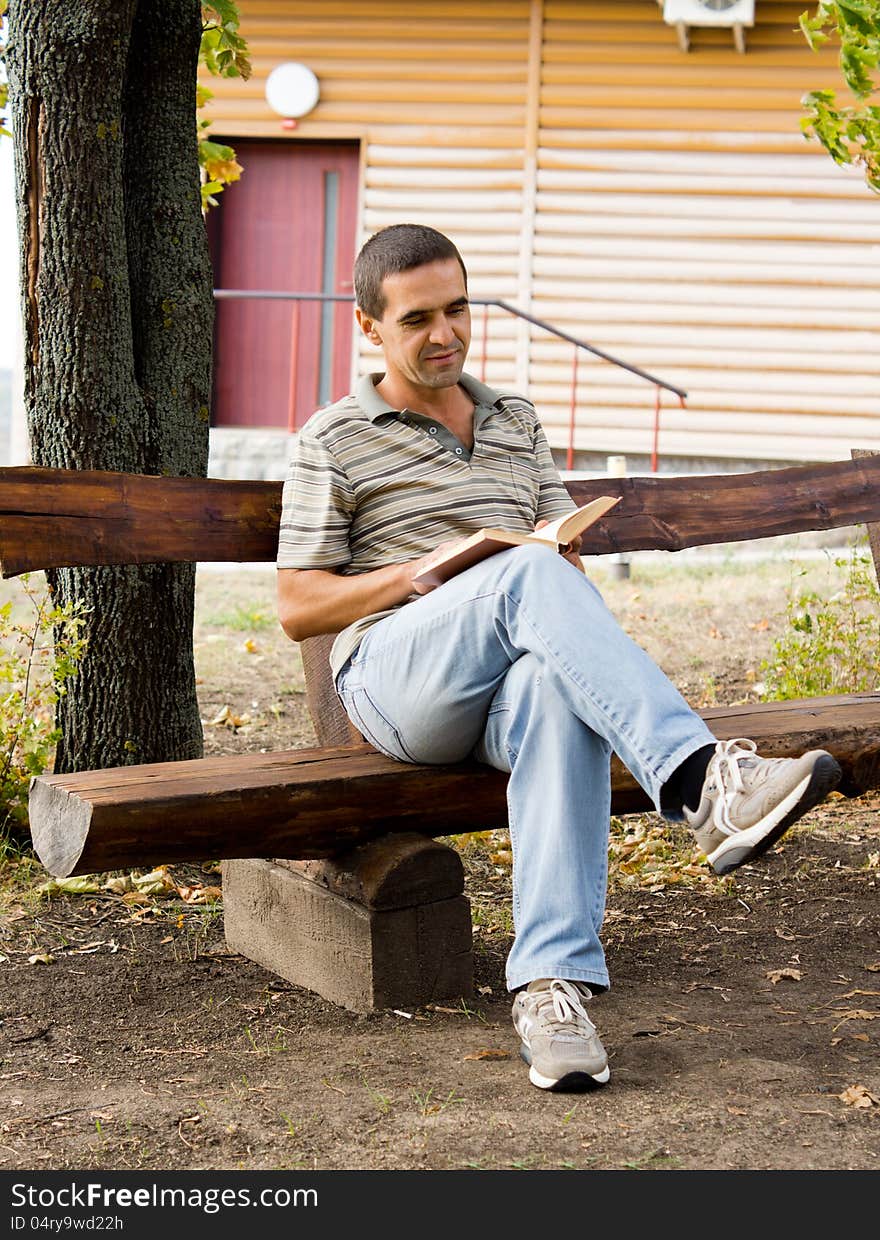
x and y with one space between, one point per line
371 912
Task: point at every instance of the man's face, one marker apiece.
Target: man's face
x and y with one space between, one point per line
425 330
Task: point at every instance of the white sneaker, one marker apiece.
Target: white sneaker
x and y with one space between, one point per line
748 802
559 1041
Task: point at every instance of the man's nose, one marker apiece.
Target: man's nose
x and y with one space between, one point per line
441 330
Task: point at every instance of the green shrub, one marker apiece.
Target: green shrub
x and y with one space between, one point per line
831 645
38 655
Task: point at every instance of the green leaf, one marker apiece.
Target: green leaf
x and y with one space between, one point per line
214 150
812 31
849 135
856 15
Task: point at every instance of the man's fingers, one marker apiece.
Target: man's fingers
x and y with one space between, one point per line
426 561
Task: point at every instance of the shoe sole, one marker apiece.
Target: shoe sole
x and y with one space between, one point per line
754 841
571 1082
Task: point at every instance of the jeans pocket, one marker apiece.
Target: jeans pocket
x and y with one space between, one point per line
373 725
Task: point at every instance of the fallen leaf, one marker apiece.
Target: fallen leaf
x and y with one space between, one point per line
226 718
119 884
858 1096
855 1014
135 897
199 895
484 990
873 968
489 1053
154 883
760 626
778 975
251 646
737 1111
81 885
41 958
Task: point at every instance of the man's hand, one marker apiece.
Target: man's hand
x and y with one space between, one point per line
572 552
425 561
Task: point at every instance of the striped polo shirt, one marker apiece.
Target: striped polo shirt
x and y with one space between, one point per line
370 485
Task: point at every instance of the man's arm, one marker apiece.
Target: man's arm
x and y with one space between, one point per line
314 600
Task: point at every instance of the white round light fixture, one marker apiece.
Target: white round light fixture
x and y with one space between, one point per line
292 90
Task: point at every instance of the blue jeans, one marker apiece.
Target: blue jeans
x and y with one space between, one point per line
518 663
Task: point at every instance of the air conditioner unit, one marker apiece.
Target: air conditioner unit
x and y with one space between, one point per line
734 14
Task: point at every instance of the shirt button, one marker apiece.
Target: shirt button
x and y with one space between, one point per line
458 451
433 430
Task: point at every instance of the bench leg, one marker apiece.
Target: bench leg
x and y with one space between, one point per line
384 926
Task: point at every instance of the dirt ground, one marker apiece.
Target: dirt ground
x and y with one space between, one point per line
740 1023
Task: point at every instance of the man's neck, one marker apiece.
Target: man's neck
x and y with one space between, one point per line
446 405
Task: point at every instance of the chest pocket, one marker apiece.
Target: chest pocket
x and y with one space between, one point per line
526 479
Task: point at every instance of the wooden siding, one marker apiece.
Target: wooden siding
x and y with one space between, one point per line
661 205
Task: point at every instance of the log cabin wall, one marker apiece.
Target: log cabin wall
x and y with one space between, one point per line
661 204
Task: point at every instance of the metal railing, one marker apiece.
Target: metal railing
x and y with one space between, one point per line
578 346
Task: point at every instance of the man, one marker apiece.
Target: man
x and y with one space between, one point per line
515 661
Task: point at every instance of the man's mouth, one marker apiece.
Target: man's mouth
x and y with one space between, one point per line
442 357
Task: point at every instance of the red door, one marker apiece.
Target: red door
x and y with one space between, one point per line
288 225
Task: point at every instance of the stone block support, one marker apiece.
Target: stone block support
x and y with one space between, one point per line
384 926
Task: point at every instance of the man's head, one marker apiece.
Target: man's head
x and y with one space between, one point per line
412 302
400 247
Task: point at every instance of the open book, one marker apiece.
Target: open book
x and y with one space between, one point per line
486 542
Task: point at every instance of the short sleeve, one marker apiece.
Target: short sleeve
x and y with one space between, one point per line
316 509
553 497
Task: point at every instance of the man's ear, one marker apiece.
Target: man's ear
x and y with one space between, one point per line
368 326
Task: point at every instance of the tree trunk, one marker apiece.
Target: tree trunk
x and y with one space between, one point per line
118 323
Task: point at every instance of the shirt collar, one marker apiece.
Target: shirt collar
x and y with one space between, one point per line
374 406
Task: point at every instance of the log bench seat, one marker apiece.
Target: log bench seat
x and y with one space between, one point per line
315 803
332 873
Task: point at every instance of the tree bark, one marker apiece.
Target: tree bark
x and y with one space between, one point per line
118 324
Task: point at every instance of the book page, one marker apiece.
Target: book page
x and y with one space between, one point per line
565 528
486 542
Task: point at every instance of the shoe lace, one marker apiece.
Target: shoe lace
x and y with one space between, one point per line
568 1005
725 770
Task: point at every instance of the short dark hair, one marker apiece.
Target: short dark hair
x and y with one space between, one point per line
399 247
